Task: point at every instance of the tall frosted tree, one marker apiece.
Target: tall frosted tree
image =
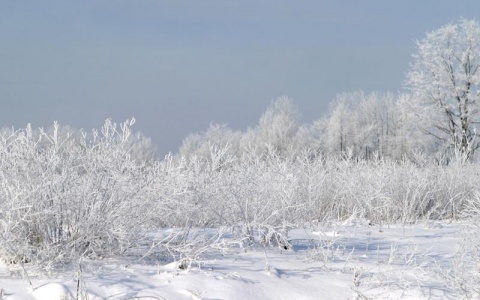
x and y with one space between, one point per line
445 81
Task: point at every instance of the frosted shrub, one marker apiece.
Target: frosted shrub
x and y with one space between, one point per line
269 190
383 190
65 197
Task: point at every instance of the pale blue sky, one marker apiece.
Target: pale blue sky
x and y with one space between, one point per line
178 65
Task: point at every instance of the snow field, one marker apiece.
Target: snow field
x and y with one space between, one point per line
334 262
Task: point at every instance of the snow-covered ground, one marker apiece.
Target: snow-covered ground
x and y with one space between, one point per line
348 261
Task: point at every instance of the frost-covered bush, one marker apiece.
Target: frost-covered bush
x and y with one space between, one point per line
276 190
67 196
268 192
384 190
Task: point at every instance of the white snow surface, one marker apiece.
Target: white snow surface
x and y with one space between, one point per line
334 262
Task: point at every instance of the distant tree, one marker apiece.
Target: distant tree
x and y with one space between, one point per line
278 126
445 80
218 135
411 141
337 128
276 132
360 125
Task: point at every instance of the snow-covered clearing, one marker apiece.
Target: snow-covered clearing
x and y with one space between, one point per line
348 261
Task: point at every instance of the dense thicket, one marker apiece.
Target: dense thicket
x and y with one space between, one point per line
70 195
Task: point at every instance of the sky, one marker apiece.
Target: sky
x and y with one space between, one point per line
178 66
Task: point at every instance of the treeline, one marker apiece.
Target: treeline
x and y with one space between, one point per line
359 126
